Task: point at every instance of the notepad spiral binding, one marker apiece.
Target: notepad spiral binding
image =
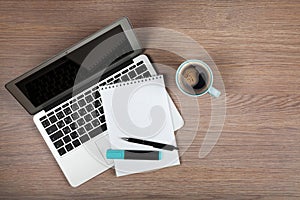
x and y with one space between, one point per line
130 82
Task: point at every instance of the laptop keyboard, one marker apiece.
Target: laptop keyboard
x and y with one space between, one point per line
81 118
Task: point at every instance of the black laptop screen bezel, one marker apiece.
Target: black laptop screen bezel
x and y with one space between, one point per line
25 102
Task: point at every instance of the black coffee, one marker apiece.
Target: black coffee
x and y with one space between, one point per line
194 78
201 82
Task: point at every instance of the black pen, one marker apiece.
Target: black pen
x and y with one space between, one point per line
149 143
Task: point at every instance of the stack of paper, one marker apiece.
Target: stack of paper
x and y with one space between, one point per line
139 109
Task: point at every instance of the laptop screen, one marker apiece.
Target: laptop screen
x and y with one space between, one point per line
60 75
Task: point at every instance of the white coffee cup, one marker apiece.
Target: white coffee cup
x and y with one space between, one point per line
195 78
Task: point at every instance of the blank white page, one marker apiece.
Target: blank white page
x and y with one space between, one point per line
139 109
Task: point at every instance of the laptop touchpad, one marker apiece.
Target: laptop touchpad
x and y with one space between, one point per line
103 144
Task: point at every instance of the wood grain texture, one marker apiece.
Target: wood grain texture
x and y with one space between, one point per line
256 46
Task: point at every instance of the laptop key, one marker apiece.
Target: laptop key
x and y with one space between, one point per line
89 108
95 88
60 124
147 74
89 98
80 96
73 135
82 111
75 116
132 67
65 105
95 113
45 123
117 81
139 77
80 122
53 119
117 75
141 69
76 143
96 94
74 106
73 126
132 74
88 118
56 136
67 111
139 63
102 118
97 103
60 115
109 80
95 122
103 127
58 144
84 138
125 71
68 120
88 126
95 132
42 118
81 102
69 147
66 139
66 130
101 110
81 131
49 114
125 78
51 129
61 151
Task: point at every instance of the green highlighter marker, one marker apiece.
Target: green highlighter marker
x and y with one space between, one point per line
133 154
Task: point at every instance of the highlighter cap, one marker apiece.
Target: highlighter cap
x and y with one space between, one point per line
159 155
115 154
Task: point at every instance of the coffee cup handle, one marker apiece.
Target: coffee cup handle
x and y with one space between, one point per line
214 92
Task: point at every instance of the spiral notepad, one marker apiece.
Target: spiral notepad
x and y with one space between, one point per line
139 109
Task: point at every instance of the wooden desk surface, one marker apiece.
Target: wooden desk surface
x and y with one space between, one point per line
256 46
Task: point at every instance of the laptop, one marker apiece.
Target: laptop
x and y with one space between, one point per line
62 95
